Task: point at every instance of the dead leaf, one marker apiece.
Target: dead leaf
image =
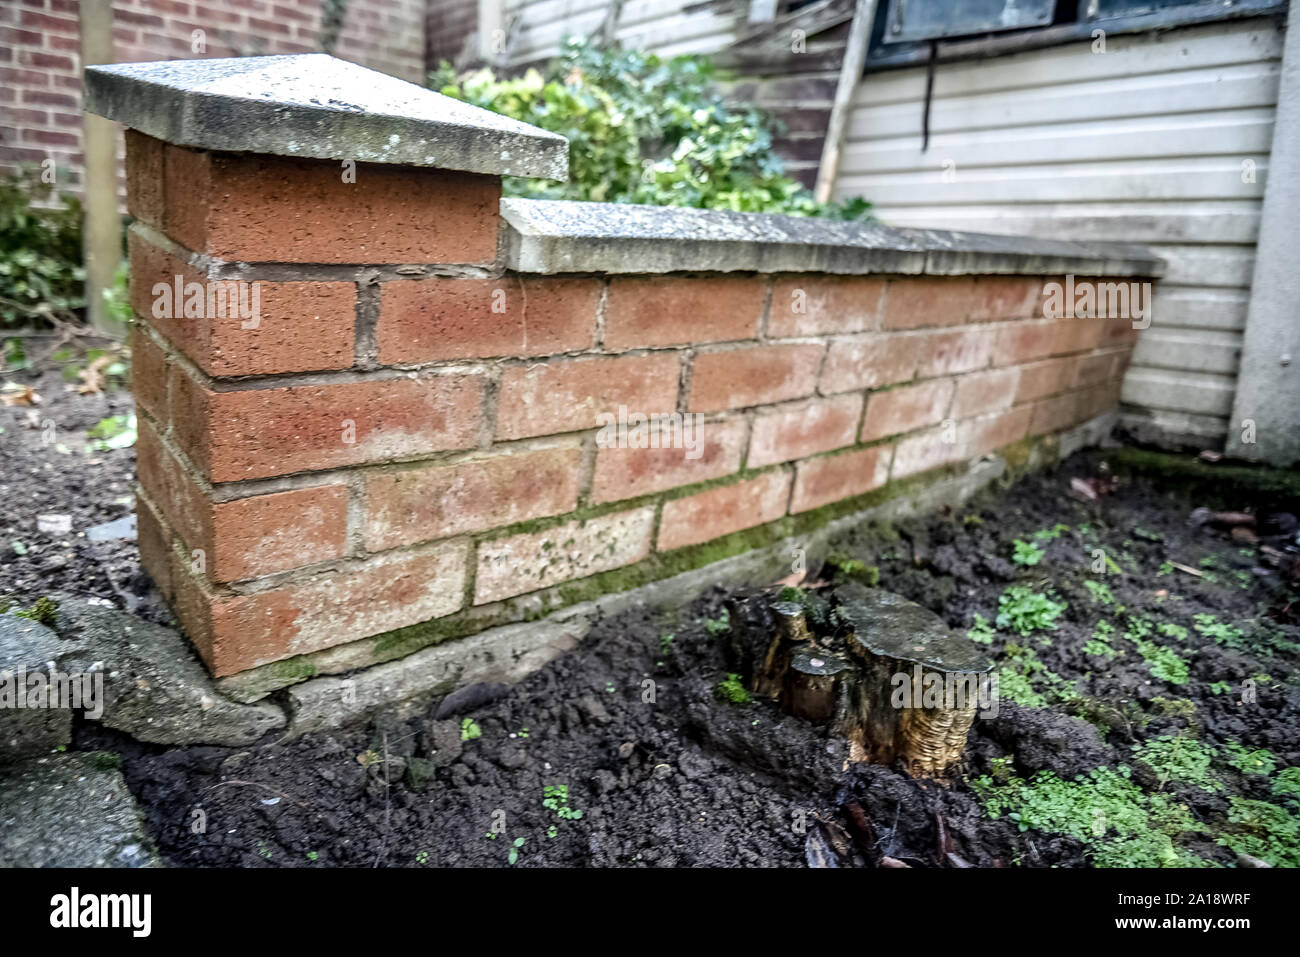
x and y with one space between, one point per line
1083 488
25 395
893 862
792 581
92 377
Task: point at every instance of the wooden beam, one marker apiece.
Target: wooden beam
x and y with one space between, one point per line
102 228
855 57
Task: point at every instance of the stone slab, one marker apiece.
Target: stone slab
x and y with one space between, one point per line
317 106
567 236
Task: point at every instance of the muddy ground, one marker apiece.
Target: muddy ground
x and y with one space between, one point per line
1181 714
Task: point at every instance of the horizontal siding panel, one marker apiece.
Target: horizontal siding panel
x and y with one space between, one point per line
1190 307
1207 350
1216 222
1184 178
1215 45
1249 132
1202 393
1245 86
1208 265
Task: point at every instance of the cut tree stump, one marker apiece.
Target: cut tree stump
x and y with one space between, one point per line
891 677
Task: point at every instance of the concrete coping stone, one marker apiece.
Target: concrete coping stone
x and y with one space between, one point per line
566 236
317 106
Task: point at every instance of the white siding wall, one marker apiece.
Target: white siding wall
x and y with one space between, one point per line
1144 143
664 26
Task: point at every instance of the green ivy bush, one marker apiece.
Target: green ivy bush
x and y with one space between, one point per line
41 269
645 130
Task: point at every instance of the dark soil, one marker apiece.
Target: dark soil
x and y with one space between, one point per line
665 773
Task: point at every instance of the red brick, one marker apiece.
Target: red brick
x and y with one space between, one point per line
812 305
383 593
1039 379
257 433
144 177
566 395
627 472
298 327
669 312
1079 335
832 478
869 362
148 375
438 501
265 534
737 378
1059 412
927 450
952 351
906 408
477 318
248 537
987 391
820 425
1019 342
721 511
1006 297
532 560
1096 368
915 303
991 432
254 208
1116 332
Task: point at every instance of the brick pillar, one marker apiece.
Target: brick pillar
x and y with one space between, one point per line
271 195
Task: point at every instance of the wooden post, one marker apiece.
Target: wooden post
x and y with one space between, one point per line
855 58
102 229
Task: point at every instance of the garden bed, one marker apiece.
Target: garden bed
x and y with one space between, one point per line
1125 736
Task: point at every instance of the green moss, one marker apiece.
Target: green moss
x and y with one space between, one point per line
1216 484
730 690
847 568
102 760
44 612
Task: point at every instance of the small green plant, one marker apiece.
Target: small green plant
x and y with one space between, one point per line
1025 611
981 632
666 643
1051 534
1121 825
1099 643
555 797
1026 554
1230 636
1179 759
1164 663
552 831
1260 761
731 690
469 729
114 432
1263 830
1099 592
1221 687
1287 783
716 626
846 568
1172 630
313 856
515 845
41 274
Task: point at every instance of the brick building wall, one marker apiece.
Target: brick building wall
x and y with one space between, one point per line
40 59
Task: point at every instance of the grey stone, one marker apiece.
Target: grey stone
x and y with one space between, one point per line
317 106
26 647
441 742
155 689
123 527
564 236
503 654
70 810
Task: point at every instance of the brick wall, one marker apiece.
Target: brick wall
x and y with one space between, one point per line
390 445
40 60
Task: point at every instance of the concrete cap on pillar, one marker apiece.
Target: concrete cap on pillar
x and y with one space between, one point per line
316 106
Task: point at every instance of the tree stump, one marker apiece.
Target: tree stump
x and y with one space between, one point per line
918 684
